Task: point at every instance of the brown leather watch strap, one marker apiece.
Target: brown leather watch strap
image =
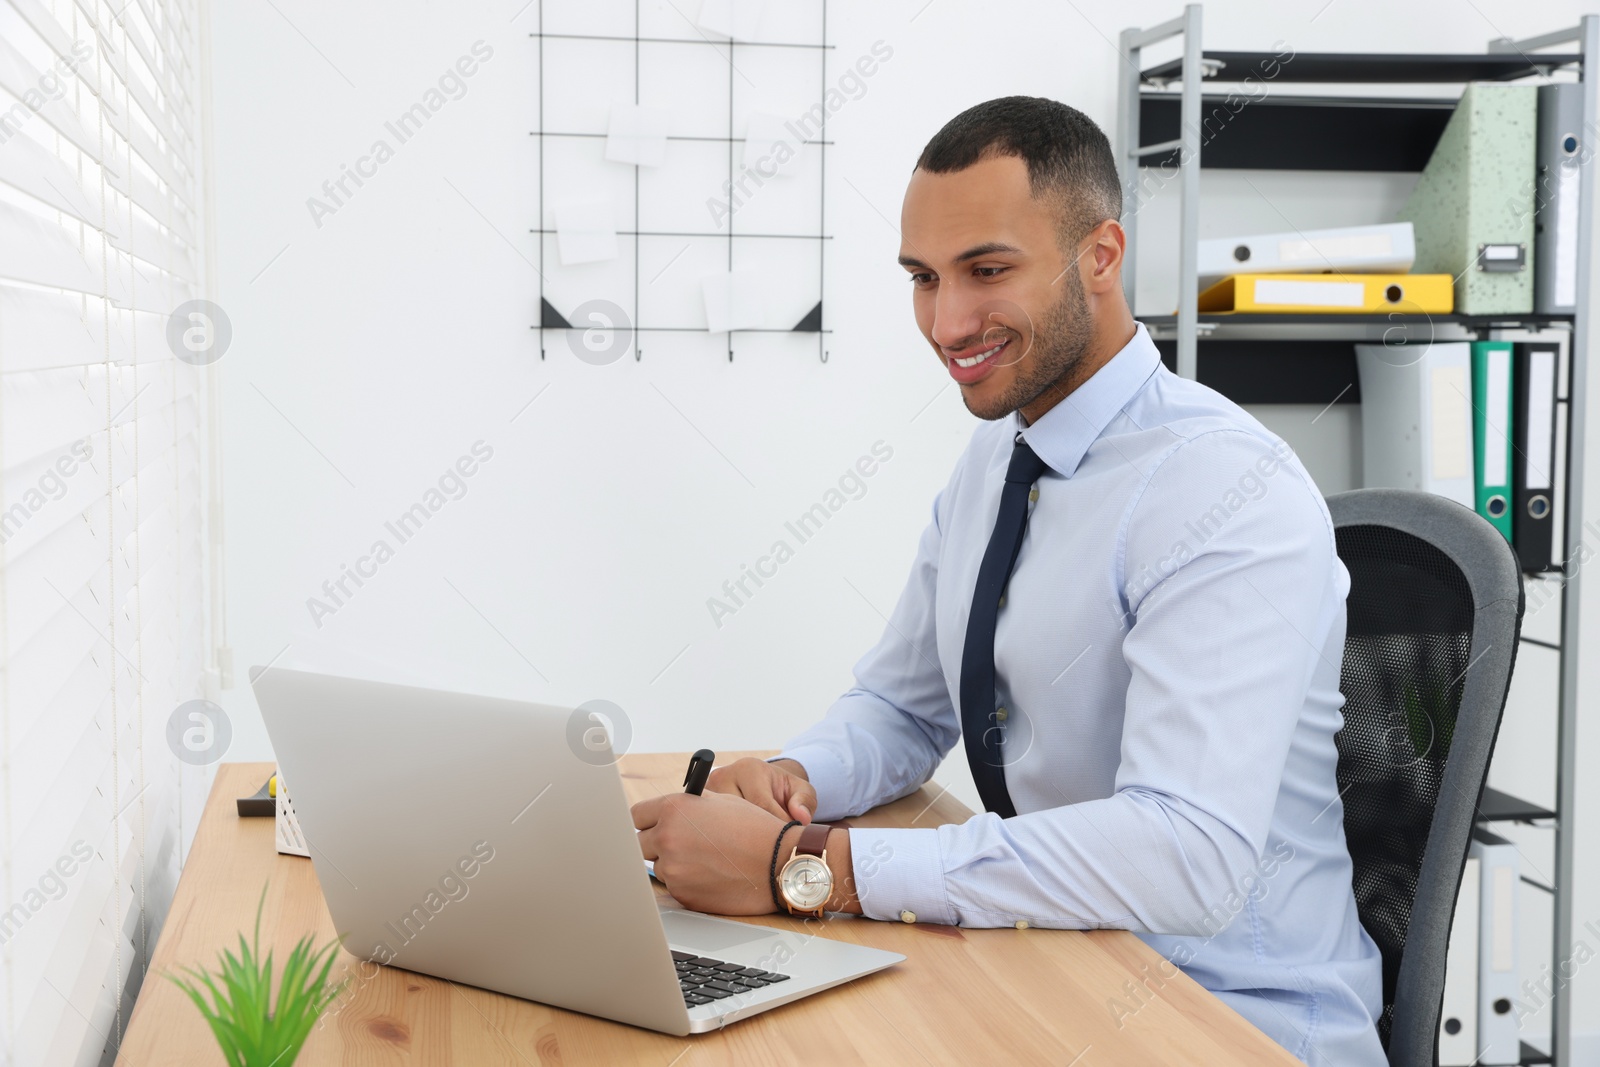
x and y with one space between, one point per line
813 839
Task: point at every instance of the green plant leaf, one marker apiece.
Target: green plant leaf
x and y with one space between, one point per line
250 1029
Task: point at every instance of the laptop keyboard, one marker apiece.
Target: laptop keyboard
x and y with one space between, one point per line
704 979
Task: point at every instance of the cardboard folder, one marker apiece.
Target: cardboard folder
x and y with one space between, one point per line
1533 453
1499 871
1458 1013
1416 418
1560 154
1492 398
1354 294
1473 206
1385 248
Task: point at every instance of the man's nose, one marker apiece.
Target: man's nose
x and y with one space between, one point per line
956 321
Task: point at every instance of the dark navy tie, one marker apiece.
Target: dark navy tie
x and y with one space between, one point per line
982 727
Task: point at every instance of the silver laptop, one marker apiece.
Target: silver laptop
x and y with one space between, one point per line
469 838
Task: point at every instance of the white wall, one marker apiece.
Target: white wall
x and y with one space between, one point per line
373 351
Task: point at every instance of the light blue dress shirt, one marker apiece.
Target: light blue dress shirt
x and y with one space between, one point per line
1168 664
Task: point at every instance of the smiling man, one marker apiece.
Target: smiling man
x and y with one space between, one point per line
1127 606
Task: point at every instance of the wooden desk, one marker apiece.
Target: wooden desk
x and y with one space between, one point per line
962 996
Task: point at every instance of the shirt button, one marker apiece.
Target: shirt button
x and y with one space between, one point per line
1022 924
1033 495
1000 714
908 916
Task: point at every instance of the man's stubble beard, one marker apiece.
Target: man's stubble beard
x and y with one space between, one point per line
1060 344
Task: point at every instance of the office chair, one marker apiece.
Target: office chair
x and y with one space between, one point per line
1435 609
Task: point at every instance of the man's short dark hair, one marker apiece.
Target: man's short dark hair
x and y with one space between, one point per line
1067 155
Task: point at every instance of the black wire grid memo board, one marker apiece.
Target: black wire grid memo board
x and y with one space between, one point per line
693 204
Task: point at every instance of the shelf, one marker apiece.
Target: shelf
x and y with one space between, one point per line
1251 320
1307 359
1496 806
1347 68
1290 112
1274 371
1300 133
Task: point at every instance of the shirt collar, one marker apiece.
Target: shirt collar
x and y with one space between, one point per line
1064 433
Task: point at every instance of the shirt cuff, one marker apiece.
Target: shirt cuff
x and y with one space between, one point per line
828 776
900 875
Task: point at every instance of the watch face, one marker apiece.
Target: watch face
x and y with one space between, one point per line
806 883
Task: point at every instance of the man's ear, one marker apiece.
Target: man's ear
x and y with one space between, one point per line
1105 246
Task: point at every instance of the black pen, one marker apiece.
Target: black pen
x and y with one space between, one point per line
694 780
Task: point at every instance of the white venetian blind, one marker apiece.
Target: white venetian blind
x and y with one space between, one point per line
104 580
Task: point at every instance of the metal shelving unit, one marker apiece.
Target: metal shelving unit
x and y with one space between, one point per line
1237 354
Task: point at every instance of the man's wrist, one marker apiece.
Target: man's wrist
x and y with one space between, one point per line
844 896
782 849
787 841
794 767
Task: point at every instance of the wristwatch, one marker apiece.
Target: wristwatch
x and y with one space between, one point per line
805 883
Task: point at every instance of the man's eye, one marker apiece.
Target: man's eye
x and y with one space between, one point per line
987 272
923 278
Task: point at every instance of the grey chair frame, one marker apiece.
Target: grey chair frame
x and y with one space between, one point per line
1494 577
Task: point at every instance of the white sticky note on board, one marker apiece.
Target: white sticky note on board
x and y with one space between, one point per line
738 19
734 301
768 145
586 231
637 135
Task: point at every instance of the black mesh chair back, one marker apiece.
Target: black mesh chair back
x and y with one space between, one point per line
1435 609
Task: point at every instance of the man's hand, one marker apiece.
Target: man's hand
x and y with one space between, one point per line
780 788
712 852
